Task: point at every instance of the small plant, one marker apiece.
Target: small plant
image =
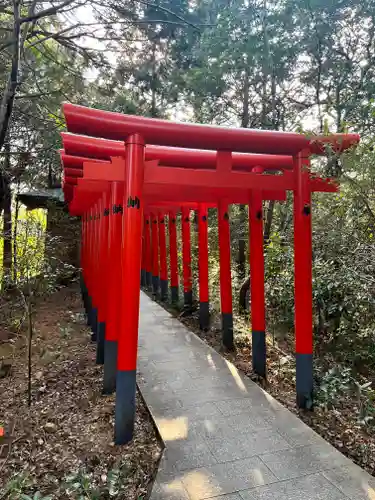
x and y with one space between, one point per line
335 382
76 317
15 487
113 482
36 496
366 400
79 486
65 331
339 381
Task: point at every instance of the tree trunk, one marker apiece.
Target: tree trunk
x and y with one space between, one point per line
6 106
266 69
7 221
243 294
154 111
15 233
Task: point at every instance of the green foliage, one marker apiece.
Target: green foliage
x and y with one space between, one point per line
337 383
36 496
17 486
80 485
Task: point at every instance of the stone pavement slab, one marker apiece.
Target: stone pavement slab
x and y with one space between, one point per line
225 438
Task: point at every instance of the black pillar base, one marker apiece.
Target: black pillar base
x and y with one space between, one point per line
148 280
110 366
163 290
155 285
304 381
204 315
174 295
100 336
94 323
259 352
227 335
85 299
143 278
82 286
88 307
188 301
125 406
84 294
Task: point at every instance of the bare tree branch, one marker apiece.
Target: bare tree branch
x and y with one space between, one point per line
51 11
121 11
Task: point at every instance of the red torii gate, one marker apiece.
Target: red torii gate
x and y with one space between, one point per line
76 144
221 185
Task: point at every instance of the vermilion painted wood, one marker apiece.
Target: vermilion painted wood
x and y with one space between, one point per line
155 245
186 249
95 252
90 147
303 315
155 182
203 253
336 142
76 161
224 163
258 316
162 247
258 313
113 319
148 253
103 256
303 257
73 172
131 253
117 126
144 247
173 248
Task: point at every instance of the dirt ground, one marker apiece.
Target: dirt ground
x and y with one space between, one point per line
63 444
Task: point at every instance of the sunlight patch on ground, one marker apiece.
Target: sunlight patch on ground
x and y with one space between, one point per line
173 429
237 378
211 361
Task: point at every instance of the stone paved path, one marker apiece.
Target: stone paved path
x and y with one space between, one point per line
225 437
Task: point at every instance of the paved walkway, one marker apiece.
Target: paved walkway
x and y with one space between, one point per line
225 437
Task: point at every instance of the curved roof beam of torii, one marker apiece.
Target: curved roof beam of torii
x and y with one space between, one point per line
117 126
104 149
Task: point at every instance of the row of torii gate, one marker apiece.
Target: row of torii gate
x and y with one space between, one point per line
125 174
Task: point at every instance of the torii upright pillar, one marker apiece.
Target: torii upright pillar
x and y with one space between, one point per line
257 283
147 241
303 281
155 255
131 276
173 256
163 259
186 259
93 272
204 306
113 326
103 223
225 276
